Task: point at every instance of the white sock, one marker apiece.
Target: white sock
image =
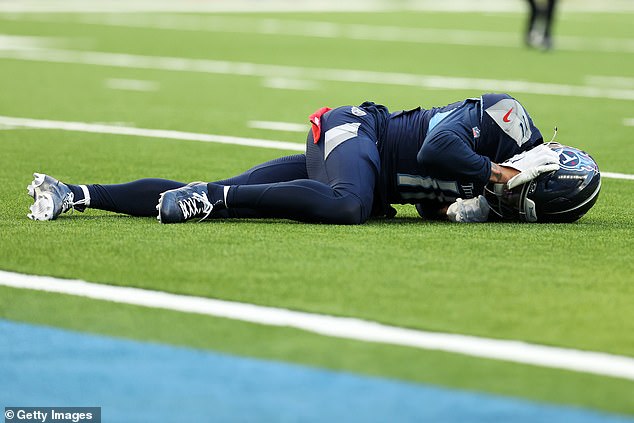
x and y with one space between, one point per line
226 191
84 188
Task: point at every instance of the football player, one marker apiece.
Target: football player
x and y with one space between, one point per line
359 160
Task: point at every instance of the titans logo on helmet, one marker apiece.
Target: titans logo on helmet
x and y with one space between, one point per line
576 160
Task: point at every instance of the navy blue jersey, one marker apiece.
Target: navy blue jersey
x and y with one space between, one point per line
432 157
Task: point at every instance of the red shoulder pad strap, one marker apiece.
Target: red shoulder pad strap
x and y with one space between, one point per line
315 120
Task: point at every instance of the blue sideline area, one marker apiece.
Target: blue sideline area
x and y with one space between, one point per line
144 382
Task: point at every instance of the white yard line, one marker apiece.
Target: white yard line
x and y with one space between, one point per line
339 327
317 29
628 122
21 42
9 122
131 85
320 74
610 81
613 175
150 133
278 126
290 84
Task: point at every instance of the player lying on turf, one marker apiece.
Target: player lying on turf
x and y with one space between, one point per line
360 160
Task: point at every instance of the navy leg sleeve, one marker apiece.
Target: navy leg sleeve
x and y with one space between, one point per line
138 198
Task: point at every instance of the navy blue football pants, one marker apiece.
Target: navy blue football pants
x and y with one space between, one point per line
333 182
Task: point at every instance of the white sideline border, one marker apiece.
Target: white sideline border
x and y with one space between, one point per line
8 123
598 363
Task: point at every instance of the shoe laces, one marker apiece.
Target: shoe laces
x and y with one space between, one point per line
69 203
196 205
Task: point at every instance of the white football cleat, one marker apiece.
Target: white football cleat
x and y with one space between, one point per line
51 198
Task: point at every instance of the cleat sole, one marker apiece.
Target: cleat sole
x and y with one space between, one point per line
50 198
42 209
38 179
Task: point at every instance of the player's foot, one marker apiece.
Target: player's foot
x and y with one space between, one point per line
51 198
534 38
189 202
547 43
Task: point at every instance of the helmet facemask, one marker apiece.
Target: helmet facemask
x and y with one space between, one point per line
511 204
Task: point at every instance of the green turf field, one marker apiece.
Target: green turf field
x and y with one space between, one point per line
562 285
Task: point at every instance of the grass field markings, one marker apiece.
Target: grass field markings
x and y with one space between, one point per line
628 122
278 126
21 42
599 363
290 84
234 6
318 29
131 84
221 67
610 81
250 6
98 128
149 133
613 175
271 6
5 127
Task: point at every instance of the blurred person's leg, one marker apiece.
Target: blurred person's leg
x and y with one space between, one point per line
539 27
530 26
549 16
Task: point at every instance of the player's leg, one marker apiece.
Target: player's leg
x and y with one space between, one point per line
342 168
139 198
340 191
282 169
549 17
530 26
52 197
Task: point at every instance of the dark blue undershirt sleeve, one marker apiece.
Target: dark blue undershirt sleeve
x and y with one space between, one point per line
446 155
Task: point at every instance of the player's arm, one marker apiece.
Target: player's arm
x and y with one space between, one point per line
517 170
448 155
501 174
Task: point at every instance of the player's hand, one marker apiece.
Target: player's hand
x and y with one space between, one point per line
531 164
472 210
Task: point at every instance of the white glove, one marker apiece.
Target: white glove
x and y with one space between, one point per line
531 164
469 211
